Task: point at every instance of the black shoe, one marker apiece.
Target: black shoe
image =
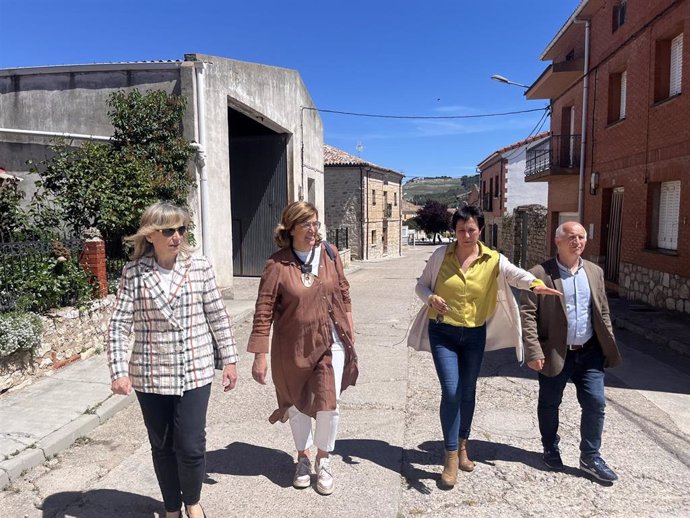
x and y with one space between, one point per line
596 467
552 459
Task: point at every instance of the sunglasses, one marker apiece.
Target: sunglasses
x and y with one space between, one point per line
170 232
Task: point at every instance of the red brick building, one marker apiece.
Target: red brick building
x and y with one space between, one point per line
629 169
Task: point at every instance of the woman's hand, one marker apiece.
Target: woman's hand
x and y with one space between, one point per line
229 377
122 386
259 368
536 365
543 290
438 304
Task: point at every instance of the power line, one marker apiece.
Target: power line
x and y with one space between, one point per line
379 116
535 131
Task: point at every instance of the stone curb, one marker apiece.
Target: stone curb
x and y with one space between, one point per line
675 345
15 466
63 438
4 479
112 406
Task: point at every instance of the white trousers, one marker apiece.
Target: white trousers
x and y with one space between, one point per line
327 420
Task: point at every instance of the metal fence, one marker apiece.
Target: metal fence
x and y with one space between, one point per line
116 256
27 259
339 237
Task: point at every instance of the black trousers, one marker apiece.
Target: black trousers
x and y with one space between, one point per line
177 432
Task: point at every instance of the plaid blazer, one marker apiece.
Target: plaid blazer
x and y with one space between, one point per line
178 339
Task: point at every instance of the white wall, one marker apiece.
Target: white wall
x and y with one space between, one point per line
519 192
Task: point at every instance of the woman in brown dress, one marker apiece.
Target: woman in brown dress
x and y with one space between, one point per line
305 296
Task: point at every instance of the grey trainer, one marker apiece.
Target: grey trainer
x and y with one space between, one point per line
302 473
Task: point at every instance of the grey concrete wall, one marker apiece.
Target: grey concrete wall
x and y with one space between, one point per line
274 97
67 100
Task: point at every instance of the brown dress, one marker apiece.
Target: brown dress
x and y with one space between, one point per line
301 344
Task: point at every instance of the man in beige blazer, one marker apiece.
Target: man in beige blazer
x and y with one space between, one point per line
570 338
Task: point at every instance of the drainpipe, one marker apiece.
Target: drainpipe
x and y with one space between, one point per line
39 133
199 69
585 93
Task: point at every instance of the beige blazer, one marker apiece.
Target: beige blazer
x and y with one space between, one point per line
545 324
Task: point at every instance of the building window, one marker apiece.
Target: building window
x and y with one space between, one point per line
676 65
373 197
617 96
668 67
395 199
665 202
373 237
618 15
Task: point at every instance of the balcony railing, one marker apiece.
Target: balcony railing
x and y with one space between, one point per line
556 153
388 211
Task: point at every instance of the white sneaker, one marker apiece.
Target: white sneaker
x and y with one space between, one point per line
324 478
302 473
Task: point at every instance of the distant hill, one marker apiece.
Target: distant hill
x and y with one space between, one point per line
443 189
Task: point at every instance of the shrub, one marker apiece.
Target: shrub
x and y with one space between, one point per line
19 331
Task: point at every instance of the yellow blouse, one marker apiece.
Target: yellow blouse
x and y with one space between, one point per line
472 295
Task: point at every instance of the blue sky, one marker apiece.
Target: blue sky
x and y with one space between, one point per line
400 57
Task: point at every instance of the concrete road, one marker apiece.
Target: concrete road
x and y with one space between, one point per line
387 458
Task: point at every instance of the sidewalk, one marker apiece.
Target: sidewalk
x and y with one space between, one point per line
48 416
666 328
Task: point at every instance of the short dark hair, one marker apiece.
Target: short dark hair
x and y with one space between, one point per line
465 213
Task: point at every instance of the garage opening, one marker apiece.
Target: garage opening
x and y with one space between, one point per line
258 190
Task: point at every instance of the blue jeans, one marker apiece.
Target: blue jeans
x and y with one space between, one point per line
586 370
458 354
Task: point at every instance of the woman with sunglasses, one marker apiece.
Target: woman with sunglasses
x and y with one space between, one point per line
305 296
170 301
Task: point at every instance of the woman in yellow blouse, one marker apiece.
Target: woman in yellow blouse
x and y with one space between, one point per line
465 287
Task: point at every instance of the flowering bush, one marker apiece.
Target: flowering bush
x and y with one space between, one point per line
19 332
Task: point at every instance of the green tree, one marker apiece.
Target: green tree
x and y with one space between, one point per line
14 220
108 185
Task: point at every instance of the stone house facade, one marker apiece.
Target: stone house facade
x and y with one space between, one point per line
632 184
366 199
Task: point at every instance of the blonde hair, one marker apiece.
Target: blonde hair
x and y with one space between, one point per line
159 216
295 213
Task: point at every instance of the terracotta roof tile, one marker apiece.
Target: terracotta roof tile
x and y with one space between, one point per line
337 157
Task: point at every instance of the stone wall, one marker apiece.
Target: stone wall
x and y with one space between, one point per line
343 202
660 289
68 335
533 219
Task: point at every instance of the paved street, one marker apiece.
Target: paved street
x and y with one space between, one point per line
388 456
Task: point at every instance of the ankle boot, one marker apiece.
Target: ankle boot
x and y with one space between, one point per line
464 461
450 469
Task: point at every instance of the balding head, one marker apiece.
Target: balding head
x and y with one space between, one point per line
571 239
568 226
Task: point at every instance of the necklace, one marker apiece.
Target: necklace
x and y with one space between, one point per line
305 267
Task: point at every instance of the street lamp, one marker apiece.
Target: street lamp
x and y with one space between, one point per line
507 81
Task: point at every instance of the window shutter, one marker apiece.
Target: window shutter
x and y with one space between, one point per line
624 85
669 210
676 64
